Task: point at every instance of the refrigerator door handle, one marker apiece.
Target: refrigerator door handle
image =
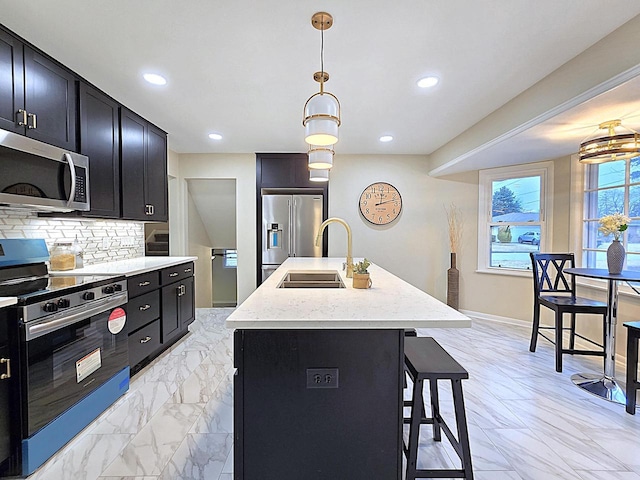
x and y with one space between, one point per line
292 226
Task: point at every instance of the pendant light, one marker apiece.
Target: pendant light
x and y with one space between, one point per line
317 175
320 158
618 143
322 110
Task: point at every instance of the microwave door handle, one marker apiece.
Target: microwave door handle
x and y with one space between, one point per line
72 170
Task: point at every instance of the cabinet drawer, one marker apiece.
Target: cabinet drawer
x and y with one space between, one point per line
143 283
178 272
144 342
142 309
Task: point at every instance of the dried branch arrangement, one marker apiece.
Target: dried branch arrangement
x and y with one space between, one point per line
455 220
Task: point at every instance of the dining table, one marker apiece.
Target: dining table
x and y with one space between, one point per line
605 385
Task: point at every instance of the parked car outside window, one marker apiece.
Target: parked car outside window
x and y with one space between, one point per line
530 237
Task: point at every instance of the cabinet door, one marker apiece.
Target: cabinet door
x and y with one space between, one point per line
170 311
156 174
5 408
11 82
132 160
100 141
50 97
187 303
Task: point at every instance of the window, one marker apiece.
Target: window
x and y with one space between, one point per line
612 187
514 212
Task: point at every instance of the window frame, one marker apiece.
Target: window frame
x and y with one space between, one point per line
544 170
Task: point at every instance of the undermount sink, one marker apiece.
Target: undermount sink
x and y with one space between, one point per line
311 279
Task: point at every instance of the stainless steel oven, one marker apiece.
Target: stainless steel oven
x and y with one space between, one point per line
71 349
69 355
40 176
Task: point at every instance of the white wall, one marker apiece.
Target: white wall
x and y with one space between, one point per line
199 246
242 168
215 200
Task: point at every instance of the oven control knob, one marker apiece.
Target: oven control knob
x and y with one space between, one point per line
64 303
117 287
88 296
50 307
108 289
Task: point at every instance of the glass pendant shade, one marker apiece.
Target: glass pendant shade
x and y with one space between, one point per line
320 157
321 119
618 143
316 175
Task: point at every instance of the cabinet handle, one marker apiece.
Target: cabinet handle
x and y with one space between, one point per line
187 270
173 274
149 209
8 374
144 284
181 290
144 307
22 113
34 119
145 339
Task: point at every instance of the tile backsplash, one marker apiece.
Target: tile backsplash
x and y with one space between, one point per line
101 240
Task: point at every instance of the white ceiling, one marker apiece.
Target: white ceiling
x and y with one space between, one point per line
244 69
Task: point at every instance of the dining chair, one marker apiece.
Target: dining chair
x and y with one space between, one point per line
555 289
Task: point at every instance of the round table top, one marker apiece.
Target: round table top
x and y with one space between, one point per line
603 273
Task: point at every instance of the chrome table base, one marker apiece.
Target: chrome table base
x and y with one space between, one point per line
600 386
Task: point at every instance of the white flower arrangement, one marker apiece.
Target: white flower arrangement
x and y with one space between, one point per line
614 224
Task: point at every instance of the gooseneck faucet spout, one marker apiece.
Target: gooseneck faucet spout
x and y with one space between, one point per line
349 253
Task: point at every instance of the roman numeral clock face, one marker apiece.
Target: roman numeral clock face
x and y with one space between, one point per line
380 203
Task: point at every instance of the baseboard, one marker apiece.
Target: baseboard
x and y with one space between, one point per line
621 360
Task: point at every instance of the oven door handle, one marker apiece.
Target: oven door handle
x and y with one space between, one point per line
48 326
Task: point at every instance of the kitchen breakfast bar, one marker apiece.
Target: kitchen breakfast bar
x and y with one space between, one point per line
318 382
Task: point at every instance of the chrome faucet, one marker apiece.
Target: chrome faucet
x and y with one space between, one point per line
346 225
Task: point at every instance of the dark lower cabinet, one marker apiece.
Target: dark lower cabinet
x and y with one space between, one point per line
100 141
318 404
160 308
9 401
177 308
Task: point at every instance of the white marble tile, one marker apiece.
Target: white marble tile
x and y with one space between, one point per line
595 475
199 457
200 386
151 449
622 444
84 458
228 465
530 456
495 475
217 415
146 477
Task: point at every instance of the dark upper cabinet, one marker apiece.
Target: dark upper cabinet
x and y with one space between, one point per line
50 101
11 82
143 169
100 141
37 95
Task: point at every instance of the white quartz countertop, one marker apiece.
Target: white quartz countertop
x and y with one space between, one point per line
389 303
129 267
6 301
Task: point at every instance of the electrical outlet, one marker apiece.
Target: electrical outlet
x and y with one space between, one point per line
105 243
127 241
322 378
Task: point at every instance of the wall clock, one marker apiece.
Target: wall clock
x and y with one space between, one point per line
380 203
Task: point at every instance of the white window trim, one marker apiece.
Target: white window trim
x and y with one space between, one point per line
485 196
576 228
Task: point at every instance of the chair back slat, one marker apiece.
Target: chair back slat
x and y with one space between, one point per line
548 273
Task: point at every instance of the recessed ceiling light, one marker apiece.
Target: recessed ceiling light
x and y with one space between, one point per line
155 79
215 136
386 138
427 82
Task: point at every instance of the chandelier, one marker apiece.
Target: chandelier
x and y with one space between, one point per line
618 143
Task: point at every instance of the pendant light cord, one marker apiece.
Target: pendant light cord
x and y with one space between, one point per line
322 60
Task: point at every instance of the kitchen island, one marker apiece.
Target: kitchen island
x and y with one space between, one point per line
318 386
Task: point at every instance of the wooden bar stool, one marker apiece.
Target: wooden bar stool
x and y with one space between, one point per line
425 359
633 337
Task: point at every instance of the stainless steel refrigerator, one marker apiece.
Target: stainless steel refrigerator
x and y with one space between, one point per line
289 227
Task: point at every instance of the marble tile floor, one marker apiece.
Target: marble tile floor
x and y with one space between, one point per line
526 422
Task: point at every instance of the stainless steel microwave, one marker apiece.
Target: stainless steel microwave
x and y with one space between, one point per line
40 176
